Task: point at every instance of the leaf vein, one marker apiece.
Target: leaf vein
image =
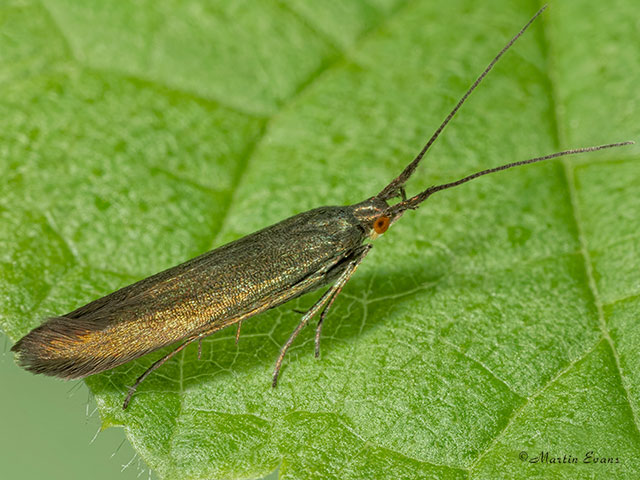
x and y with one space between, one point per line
516 412
569 175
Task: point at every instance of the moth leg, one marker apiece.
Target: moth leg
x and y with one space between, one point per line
157 363
198 336
337 291
305 319
238 331
199 348
322 315
335 288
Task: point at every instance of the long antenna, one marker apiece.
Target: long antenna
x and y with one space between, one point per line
396 186
415 201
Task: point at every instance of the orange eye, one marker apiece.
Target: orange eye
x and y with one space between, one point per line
381 224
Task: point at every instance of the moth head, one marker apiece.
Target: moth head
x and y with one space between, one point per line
373 215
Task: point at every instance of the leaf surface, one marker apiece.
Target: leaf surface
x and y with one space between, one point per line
500 318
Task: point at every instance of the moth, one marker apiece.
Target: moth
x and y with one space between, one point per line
226 286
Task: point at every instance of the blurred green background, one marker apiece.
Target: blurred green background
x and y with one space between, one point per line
48 428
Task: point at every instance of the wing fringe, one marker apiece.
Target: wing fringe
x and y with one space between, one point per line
65 347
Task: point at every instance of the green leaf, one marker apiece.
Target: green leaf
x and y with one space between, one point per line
500 318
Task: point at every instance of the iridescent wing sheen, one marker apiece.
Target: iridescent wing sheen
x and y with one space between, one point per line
221 287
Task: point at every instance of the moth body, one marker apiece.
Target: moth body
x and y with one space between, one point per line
221 287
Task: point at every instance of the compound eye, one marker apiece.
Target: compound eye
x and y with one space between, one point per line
381 224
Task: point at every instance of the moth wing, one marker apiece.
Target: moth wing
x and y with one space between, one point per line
93 338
